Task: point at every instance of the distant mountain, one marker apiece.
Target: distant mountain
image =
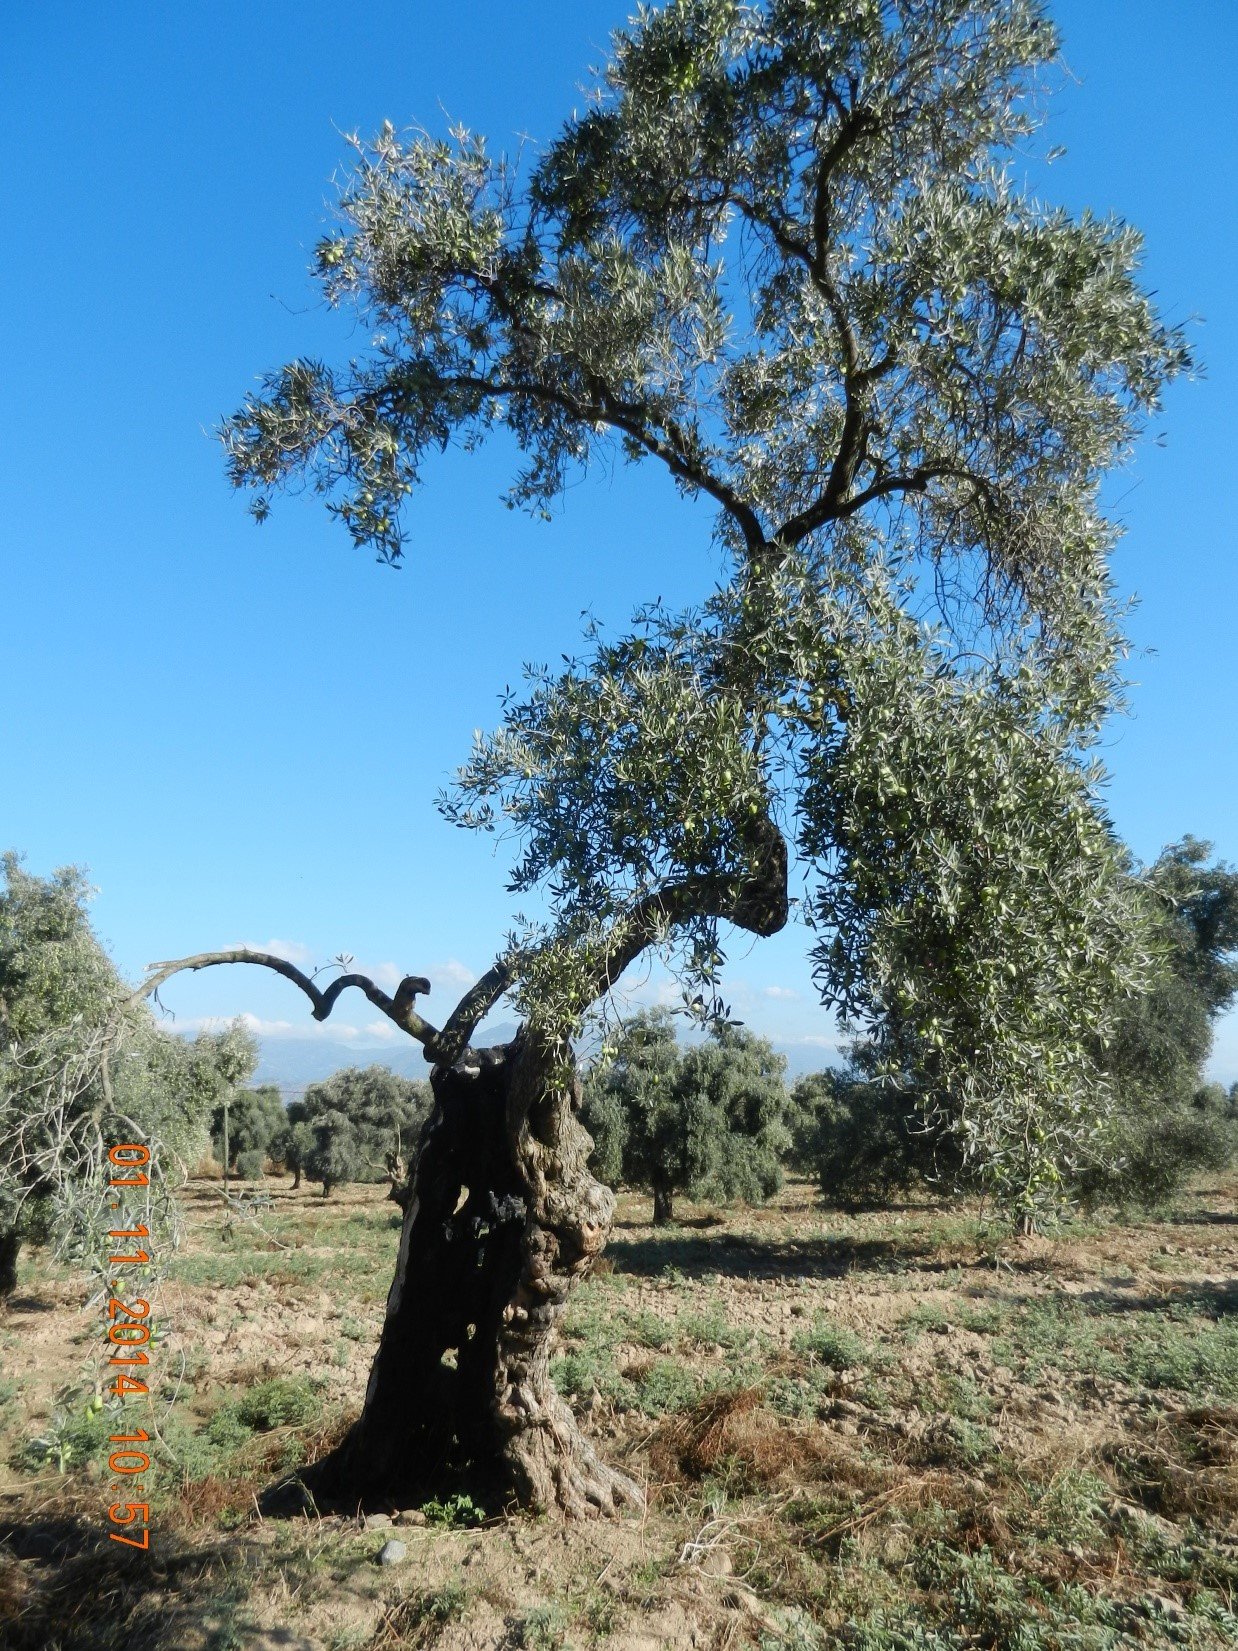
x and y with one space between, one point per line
292 1063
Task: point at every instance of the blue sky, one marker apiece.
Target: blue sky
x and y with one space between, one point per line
240 731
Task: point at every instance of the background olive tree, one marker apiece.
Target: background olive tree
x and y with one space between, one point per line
82 1065
1167 1121
867 1134
384 1114
254 1118
705 1120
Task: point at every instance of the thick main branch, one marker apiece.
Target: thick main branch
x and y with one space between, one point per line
759 904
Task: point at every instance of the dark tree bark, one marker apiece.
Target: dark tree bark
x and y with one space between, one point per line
503 1218
10 1247
663 1206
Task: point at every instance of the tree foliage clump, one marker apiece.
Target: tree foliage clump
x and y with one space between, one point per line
1167 1121
864 1142
292 1146
866 1136
82 1066
255 1118
705 1120
384 1114
334 1156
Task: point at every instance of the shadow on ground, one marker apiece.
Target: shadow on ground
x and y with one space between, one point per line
742 1256
1202 1299
64 1584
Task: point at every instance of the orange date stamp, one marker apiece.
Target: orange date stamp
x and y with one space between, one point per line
128 1334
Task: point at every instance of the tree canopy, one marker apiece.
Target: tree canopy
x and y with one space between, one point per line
865 1139
1167 1122
706 1120
81 1060
255 1118
384 1114
786 255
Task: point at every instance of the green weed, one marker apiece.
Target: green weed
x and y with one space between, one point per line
282 1402
600 1613
1174 1349
453 1513
68 1442
666 1386
928 1315
421 1619
834 1346
649 1330
226 1430
541 1629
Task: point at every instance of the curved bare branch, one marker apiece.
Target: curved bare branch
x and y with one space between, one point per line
398 1009
759 905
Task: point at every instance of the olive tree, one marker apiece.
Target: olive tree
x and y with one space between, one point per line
1167 1122
865 1138
334 1155
706 1120
254 1118
785 256
865 1142
292 1145
384 1113
82 1066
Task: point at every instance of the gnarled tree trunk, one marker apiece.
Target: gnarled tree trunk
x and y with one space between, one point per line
503 1218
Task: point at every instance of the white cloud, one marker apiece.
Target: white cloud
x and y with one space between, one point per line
451 976
817 1043
292 951
336 1032
778 992
646 994
448 978
384 1029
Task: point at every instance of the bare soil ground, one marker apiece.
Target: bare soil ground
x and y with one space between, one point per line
885 1431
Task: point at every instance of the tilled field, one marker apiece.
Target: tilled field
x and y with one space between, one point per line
896 1430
